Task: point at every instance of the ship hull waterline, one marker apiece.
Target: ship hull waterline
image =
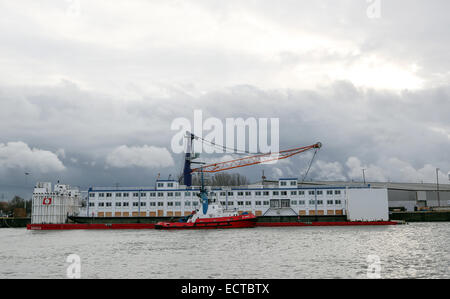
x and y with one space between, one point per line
114 226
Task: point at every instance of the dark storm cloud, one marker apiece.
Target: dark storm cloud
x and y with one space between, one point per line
373 127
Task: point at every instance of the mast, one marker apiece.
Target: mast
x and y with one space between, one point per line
203 194
187 172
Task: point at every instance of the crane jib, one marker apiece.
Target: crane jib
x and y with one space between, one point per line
256 159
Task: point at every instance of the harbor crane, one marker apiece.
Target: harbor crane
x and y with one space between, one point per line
251 159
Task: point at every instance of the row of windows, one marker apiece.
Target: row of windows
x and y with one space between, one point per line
292 183
169 185
143 194
143 204
223 203
223 194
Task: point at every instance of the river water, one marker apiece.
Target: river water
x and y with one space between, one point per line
416 250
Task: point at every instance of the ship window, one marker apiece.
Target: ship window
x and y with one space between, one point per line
329 202
177 194
160 204
311 192
266 193
231 203
101 204
108 194
143 194
160 184
240 203
91 204
329 192
266 202
275 193
195 203
126 204
135 194
230 193
222 194
108 204
319 192
91 194
293 192
169 194
248 193
169 184
187 194
293 183
152 194
301 202
160 194
187 203
320 202
294 202
135 204
311 202
284 193
274 203
248 203
177 203
143 204
285 203
169 203
283 183
337 192
258 203
101 195
126 194
258 193
152 204
301 193
118 194
240 193
118 204
338 201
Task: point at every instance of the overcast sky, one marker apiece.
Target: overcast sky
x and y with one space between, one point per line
89 89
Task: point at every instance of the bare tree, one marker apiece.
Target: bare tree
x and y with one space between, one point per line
221 179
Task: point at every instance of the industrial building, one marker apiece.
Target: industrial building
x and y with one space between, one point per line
407 196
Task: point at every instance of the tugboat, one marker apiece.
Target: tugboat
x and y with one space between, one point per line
212 215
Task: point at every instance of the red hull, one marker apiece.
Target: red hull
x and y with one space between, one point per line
235 225
241 221
336 223
91 226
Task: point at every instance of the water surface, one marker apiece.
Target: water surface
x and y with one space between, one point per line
416 250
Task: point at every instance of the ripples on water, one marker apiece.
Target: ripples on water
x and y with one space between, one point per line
417 250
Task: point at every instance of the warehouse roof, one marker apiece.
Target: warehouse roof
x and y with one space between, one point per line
388 185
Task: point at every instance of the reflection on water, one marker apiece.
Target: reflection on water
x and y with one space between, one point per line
417 250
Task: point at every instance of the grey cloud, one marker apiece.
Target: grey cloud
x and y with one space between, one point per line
373 126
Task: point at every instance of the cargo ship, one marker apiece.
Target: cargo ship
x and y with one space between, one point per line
283 202
178 204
